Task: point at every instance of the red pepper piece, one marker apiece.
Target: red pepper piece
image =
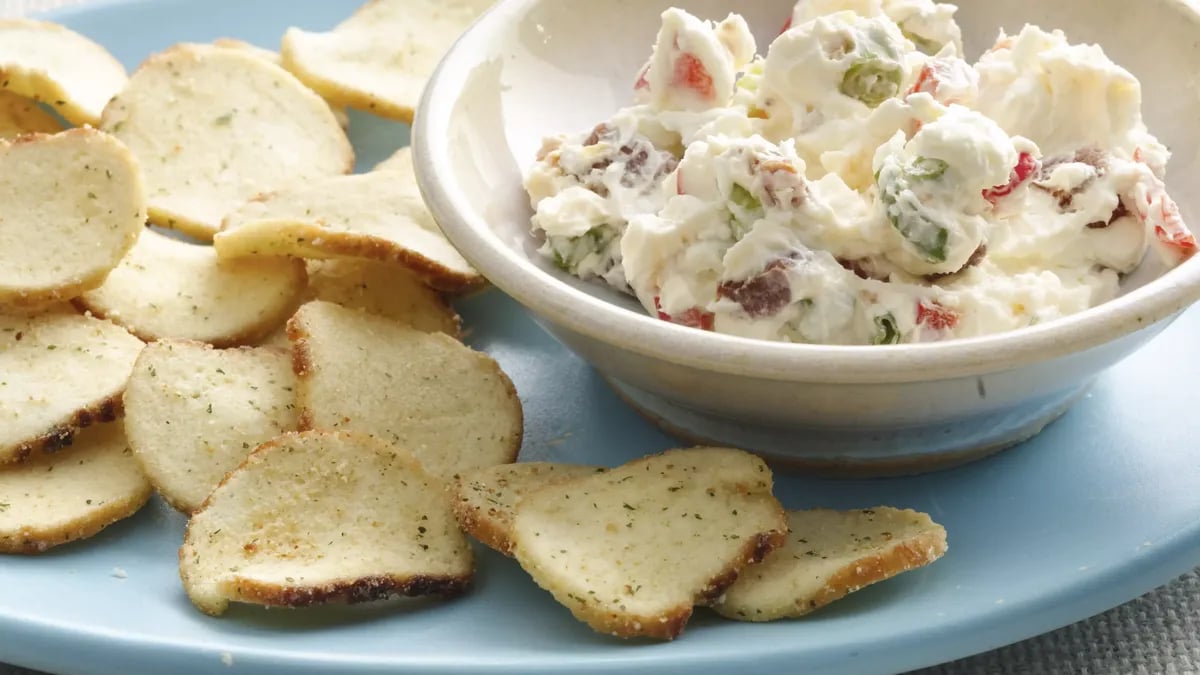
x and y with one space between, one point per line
692 318
1026 167
691 73
936 316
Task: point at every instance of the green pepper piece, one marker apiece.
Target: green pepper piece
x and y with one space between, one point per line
913 221
742 197
924 44
881 39
886 331
872 80
750 211
569 252
926 168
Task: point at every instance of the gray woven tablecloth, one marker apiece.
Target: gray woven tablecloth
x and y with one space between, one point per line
1156 634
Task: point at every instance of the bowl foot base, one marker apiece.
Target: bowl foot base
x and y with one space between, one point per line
857 453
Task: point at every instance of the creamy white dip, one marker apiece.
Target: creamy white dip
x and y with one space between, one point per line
861 183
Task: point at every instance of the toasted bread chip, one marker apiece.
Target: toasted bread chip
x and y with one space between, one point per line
278 339
59 373
385 289
632 550
451 406
380 57
70 495
401 162
830 554
321 516
485 499
193 413
376 216
65 225
214 127
19 115
167 288
339 112
47 62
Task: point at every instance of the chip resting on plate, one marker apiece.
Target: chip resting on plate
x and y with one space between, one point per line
323 516
631 551
47 62
339 112
193 413
451 406
20 115
386 289
59 373
72 494
213 127
829 554
167 288
401 162
66 225
485 499
376 216
380 57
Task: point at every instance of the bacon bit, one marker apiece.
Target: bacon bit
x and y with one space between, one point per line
863 268
976 258
787 25
1139 156
1026 167
763 295
642 82
692 318
1117 214
679 183
691 73
936 316
601 132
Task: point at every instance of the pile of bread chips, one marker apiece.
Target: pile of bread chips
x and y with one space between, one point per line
285 366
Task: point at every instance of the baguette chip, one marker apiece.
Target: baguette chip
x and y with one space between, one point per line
193 413
167 288
19 116
339 112
384 289
380 57
72 494
400 162
485 499
376 216
46 62
451 406
66 224
60 373
830 554
632 550
216 126
322 516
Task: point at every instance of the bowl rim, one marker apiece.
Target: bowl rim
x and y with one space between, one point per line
580 312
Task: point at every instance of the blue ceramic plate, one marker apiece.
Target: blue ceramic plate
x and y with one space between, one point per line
1100 508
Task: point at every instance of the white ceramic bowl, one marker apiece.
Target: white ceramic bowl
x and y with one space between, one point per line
530 68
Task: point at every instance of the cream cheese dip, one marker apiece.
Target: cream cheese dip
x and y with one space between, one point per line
861 184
